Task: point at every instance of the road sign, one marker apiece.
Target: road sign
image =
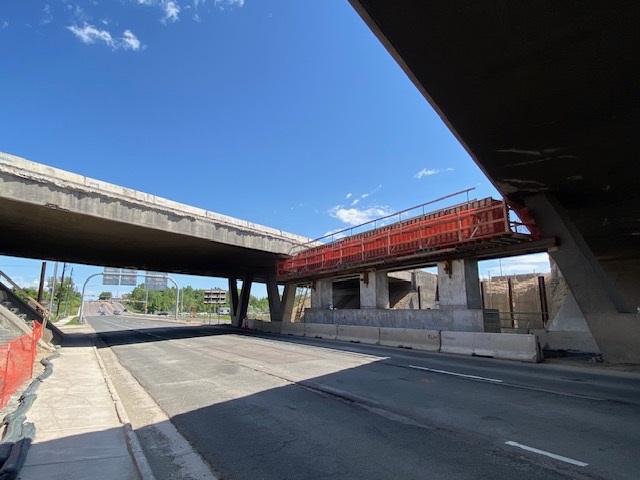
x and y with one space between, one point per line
157 282
111 276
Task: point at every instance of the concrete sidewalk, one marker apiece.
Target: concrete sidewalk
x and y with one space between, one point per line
82 431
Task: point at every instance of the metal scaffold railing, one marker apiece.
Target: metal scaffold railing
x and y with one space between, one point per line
475 221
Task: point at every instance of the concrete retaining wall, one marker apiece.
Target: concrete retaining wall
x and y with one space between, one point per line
459 320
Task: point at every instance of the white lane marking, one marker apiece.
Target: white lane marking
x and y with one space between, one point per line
471 377
548 454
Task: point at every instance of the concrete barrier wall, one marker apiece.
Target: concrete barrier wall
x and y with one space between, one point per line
253 324
523 348
268 327
428 340
289 328
320 330
352 333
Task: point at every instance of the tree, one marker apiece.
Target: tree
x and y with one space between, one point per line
105 296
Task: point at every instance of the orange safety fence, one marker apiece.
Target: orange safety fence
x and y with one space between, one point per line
469 222
16 362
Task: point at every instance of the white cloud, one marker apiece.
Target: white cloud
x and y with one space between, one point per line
354 216
336 234
171 11
229 3
363 196
48 16
90 34
425 173
348 195
5 24
130 41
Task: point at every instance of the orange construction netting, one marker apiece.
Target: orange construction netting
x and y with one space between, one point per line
16 362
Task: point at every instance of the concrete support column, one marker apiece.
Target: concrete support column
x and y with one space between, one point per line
273 296
243 302
459 284
322 293
233 301
615 329
288 302
374 290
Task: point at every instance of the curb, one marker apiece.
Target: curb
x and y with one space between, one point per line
133 444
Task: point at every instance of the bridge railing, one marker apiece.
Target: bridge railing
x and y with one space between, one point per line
465 223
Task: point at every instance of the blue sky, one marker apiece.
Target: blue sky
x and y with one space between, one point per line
286 113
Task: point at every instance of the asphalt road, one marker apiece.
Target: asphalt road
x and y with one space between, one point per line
259 406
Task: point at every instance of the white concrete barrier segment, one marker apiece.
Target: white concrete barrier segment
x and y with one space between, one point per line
320 330
497 345
428 340
253 324
269 327
355 333
296 329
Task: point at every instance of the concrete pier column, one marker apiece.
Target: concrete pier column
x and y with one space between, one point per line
459 284
273 296
234 300
242 303
322 293
287 303
374 290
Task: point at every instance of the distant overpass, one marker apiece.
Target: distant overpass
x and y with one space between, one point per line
47 213
544 97
53 214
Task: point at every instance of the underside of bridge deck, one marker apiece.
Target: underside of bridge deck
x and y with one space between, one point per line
545 98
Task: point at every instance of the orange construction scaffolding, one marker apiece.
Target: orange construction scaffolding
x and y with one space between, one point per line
474 221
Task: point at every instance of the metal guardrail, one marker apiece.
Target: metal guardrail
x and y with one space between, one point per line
46 314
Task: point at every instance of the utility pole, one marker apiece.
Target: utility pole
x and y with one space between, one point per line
43 272
61 292
53 287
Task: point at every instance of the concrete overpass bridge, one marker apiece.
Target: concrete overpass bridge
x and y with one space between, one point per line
53 214
544 96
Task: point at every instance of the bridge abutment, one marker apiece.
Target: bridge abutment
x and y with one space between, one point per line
613 324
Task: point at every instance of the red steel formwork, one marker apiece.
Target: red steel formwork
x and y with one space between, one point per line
475 221
16 362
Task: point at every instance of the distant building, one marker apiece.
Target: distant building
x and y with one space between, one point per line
217 296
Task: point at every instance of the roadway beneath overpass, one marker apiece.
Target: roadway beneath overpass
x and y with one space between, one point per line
544 96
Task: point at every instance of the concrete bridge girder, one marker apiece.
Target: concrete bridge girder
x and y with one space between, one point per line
96 223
